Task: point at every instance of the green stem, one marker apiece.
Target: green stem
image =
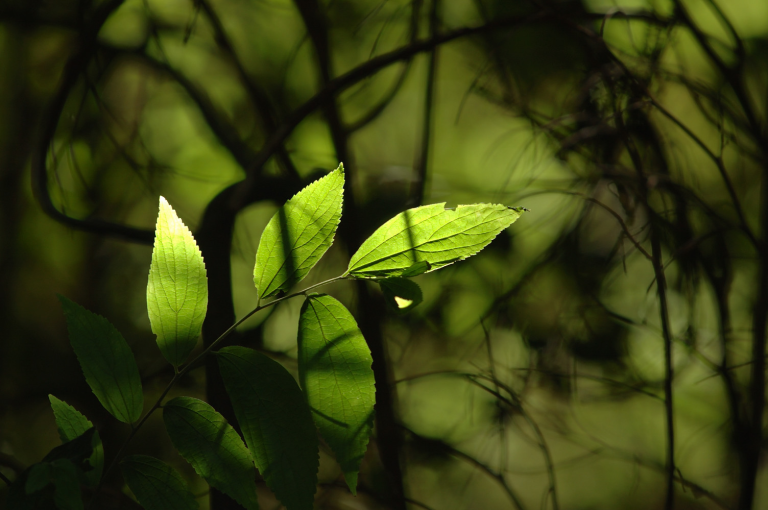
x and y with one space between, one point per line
192 364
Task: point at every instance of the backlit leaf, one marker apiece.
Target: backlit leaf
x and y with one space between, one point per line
276 423
430 234
335 372
177 292
156 485
72 424
213 448
107 361
298 235
401 294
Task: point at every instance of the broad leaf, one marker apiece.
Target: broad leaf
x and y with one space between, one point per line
72 424
401 294
107 361
299 233
177 292
205 439
156 485
276 423
38 478
66 483
335 372
430 234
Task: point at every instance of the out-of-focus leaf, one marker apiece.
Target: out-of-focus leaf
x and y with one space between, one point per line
177 292
276 423
213 448
335 372
72 424
38 478
430 234
401 294
298 235
107 361
156 485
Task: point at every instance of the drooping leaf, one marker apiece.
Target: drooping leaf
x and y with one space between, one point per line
298 235
156 485
401 294
430 234
335 372
213 448
72 424
107 361
77 451
177 292
276 423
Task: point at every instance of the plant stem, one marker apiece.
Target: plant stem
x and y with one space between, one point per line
192 364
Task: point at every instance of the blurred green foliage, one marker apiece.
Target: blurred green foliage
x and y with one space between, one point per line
532 375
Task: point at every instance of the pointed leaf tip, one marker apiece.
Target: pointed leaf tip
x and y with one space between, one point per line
429 234
337 378
177 290
299 234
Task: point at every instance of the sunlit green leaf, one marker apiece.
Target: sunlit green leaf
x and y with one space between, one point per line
177 292
276 423
430 234
107 361
335 372
213 448
156 485
401 294
72 424
299 233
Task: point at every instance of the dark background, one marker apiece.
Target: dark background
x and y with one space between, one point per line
606 351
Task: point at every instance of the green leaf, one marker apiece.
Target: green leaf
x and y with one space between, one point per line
38 478
299 234
416 269
156 485
430 234
401 294
72 424
335 372
66 485
213 448
107 361
276 423
177 292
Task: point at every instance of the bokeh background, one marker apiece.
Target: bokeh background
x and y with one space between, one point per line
606 351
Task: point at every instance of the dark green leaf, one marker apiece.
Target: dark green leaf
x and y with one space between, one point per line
298 235
66 483
107 361
205 439
177 291
335 372
38 478
276 423
72 424
401 294
430 234
416 269
156 485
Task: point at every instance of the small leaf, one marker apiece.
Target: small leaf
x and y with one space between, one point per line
401 294
107 361
430 234
213 448
177 292
156 485
416 269
72 424
66 485
335 372
276 423
298 235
